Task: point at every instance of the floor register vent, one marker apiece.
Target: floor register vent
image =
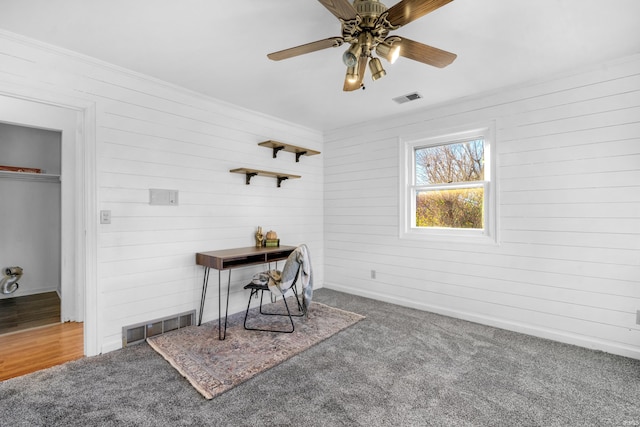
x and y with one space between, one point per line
134 334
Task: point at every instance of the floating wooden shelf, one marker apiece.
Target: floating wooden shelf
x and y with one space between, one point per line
250 173
281 146
29 176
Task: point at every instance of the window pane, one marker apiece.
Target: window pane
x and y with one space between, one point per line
458 208
460 162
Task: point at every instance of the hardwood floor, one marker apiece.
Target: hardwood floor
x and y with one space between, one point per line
32 337
40 348
29 311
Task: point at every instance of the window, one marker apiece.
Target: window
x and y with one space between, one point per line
448 190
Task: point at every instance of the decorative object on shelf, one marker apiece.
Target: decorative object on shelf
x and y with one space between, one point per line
272 240
271 235
272 243
19 169
250 173
259 237
281 146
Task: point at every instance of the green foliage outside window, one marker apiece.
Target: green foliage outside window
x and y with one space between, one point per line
459 208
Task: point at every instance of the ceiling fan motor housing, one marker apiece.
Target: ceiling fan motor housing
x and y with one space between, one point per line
367 22
369 8
369 11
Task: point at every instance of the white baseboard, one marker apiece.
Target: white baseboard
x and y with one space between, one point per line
550 334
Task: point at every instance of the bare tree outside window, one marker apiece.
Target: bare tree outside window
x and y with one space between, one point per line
457 164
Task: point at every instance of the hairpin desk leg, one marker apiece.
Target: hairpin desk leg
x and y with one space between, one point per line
222 335
205 282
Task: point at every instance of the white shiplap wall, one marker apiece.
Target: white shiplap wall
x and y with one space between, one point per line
568 263
154 135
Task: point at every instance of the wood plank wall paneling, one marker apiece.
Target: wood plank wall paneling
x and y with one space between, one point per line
154 135
568 263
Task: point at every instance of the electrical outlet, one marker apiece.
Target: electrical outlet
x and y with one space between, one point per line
638 317
373 274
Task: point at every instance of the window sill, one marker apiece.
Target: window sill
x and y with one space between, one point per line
445 235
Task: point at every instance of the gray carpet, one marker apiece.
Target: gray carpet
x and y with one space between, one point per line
399 367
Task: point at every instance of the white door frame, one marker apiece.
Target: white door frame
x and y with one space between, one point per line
76 120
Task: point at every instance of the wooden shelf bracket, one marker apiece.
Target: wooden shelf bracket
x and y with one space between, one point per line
280 179
249 176
275 151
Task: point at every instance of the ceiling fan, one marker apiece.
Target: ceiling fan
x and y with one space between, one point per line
365 26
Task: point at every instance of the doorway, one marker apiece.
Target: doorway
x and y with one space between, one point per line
77 261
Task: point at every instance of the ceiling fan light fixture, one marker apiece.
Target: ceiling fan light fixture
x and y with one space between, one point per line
388 52
351 55
376 69
352 74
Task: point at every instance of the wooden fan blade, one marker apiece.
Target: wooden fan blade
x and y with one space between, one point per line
426 54
306 48
340 8
409 10
362 68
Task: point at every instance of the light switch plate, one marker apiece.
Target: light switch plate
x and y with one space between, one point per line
105 217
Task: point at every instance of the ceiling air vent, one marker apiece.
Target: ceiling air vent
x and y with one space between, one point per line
406 98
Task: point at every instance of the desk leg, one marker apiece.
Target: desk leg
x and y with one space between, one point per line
205 282
222 335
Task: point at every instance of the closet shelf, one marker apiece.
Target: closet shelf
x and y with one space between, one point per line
250 173
28 176
281 146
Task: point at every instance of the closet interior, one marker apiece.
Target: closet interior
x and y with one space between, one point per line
30 227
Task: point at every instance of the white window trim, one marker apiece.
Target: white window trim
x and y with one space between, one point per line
488 235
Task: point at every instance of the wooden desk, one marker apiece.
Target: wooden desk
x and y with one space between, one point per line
228 259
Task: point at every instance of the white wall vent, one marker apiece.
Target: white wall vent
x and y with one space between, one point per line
137 333
406 98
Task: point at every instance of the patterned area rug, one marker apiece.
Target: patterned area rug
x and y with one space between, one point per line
213 366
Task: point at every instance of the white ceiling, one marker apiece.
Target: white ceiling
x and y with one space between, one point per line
219 48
